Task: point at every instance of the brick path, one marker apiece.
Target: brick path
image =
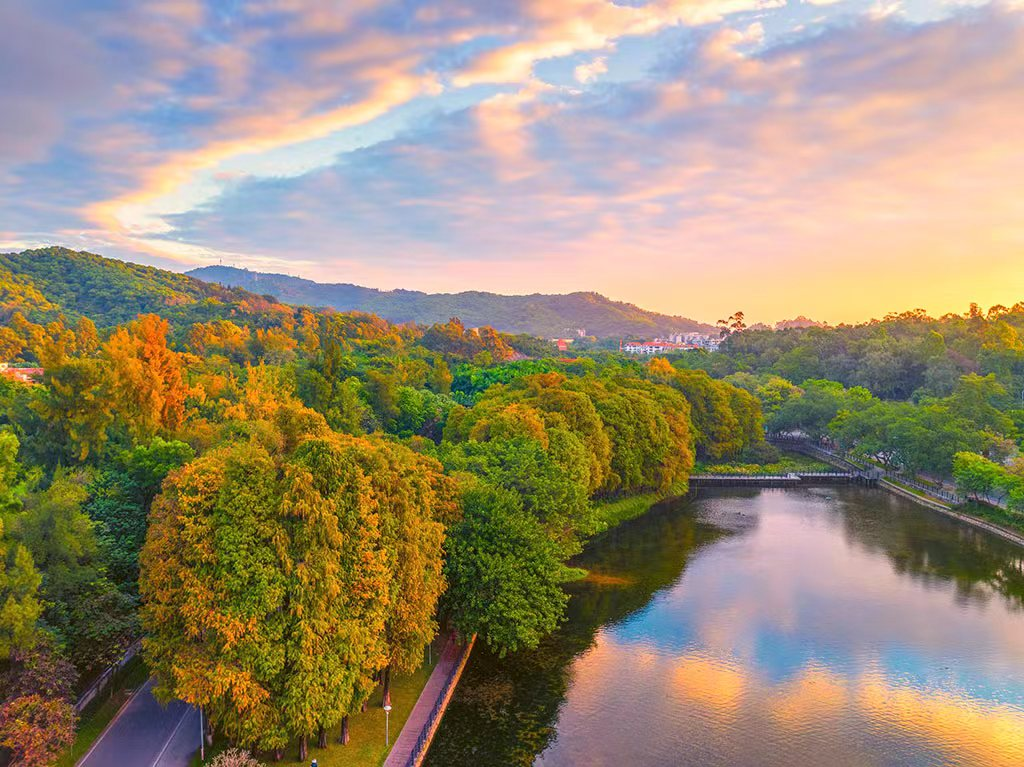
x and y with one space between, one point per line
434 697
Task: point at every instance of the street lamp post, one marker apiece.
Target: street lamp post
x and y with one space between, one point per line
387 725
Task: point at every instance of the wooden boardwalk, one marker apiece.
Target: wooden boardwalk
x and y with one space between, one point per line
413 741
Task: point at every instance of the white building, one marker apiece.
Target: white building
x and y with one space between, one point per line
653 347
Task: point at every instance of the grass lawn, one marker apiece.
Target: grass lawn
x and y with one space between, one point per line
97 716
366 747
614 512
1012 520
913 490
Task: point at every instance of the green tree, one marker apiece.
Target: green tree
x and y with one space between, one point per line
975 475
19 602
81 604
382 394
556 499
504 572
816 408
120 498
76 408
19 581
982 400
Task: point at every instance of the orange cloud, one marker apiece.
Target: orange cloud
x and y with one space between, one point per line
970 731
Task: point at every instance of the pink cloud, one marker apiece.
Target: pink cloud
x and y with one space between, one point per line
875 149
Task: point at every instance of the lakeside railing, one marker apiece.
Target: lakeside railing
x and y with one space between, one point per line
937 492
768 475
440 704
836 458
104 679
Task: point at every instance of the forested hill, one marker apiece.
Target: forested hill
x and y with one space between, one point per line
46 283
542 315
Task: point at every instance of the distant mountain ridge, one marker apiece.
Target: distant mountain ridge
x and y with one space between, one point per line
544 315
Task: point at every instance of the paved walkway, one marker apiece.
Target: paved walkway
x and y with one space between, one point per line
146 734
426 714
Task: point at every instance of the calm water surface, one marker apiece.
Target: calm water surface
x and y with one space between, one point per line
834 626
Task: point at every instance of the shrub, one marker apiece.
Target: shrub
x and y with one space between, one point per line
234 757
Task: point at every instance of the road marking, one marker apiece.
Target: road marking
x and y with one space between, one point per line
171 739
110 724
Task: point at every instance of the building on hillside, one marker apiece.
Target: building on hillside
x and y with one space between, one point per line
25 375
696 340
656 346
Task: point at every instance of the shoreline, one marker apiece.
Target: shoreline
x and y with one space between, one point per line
951 512
932 503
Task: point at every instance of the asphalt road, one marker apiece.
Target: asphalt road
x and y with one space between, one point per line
146 734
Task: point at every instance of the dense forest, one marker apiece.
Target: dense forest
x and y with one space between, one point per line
285 502
941 396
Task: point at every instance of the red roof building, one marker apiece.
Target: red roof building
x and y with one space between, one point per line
25 375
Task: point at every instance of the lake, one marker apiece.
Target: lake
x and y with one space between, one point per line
825 626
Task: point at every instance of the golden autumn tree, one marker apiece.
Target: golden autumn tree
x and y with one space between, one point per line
419 502
87 338
213 586
282 573
11 344
147 380
29 334
76 405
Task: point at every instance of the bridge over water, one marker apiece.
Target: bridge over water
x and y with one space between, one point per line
793 479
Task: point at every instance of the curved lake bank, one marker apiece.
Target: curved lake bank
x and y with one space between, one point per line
832 626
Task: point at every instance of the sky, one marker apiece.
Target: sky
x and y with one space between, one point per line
838 159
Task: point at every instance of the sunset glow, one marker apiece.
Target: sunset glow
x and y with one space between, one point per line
838 160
